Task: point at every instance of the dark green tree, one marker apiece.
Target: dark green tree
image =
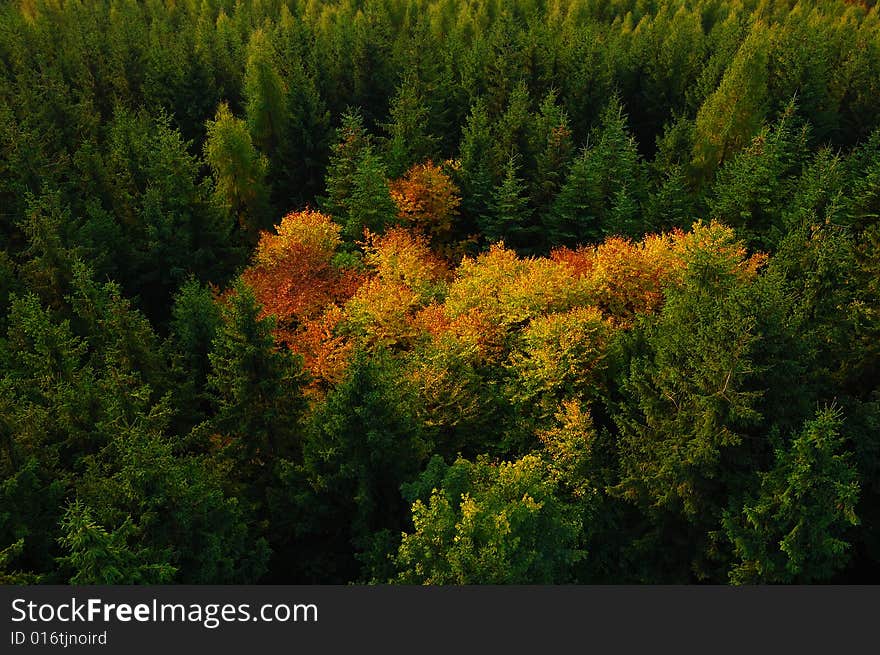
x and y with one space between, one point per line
511 217
408 140
795 529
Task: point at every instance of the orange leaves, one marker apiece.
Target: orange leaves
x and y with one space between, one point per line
293 275
545 319
428 200
325 352
625 278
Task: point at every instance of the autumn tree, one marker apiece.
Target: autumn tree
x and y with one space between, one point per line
428 199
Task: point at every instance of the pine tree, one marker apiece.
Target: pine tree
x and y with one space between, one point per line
551 141
795 529
257 391
510 220
752 190
265 95
409 140
733 114
370 205
584 209
361 445
671 205
352 142
475 174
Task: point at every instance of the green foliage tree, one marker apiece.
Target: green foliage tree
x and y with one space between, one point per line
795 528
475 176
752 189
485 523
370 206
101 557
733 114
257 392
590 204
361 445
409 140
352 142
239 172
511 216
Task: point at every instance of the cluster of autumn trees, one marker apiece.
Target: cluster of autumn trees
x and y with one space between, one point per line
439 291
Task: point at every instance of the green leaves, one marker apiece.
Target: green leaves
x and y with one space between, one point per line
490 524
795 530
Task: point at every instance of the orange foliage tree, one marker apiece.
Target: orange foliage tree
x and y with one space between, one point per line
294 278
407 276
428 200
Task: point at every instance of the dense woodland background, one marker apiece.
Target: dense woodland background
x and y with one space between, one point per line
439 291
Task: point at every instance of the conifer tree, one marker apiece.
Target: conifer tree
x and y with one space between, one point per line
795 529
475 175
352 142
409 140
510 220
239 172
583 210
733 114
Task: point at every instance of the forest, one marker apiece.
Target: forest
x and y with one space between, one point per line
439 292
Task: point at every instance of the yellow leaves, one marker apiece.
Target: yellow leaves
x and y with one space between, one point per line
625 278
510 290
719 243
547 319
566 344
381 312
569 447
308 229
407 276
559 356
402 257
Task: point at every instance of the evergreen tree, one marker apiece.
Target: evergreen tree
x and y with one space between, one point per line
257 390
510 220
592 193
352 142
239 172
475 175
752 190
409 140
370 205
671 205
733 114
265 95
361 445
795 529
